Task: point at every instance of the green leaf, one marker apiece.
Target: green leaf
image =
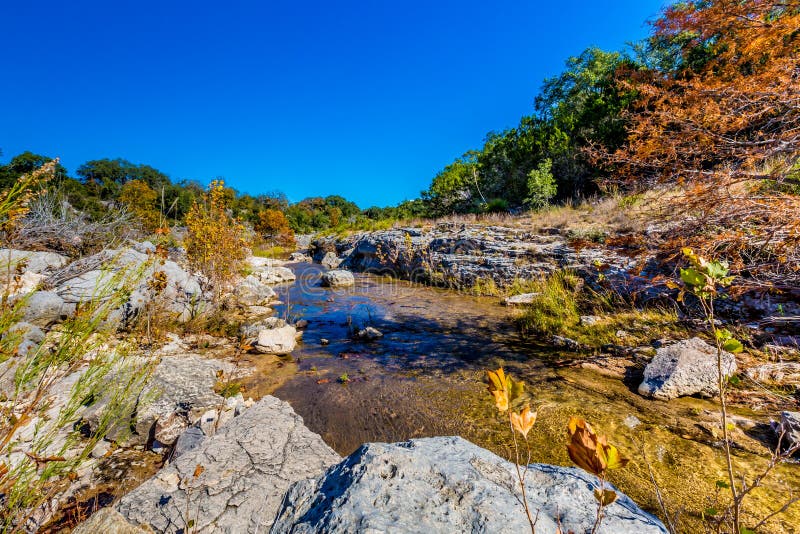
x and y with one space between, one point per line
722 484
732 345
711 511
723 334
734 380
745 530
693 278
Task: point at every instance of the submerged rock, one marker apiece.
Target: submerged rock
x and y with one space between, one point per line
233 481
369 333
688 367
338 278
448 484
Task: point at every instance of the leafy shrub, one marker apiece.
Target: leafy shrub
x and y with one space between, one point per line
216 243
496 205
541 185
141 200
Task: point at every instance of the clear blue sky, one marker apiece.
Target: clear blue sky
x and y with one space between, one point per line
364 99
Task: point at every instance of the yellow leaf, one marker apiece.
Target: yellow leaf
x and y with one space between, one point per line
523 421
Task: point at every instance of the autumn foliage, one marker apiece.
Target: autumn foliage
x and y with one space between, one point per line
141 200
216 244
723 124
273 226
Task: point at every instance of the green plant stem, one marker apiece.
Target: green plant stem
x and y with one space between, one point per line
708 306
521 478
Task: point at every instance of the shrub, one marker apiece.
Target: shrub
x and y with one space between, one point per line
496 205
41 447
141 200
216 243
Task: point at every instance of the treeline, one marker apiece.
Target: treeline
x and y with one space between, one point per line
149 194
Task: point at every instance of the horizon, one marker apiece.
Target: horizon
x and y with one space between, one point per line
370 103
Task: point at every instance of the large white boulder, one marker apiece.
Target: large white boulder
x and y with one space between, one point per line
688 367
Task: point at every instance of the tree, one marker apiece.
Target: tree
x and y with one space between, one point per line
26 163
541 185
107 176
725 125
272 225
455 188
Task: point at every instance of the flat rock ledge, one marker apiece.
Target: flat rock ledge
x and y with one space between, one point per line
232 482
448 484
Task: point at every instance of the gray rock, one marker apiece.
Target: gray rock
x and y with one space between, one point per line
369 333
281 340
589 320
33 261
43 308
565 343
247 466
275 275
447 484
300 257
189 440
338 278
688 367
789 428
253 292
180 390
331 260
145 247
784 373
108 521
30 337
520 300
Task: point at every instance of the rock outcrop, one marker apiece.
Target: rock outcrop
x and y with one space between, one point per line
459 255
448 484
788 430
688 367
231 482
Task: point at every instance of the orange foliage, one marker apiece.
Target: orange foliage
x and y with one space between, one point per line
216 243
272 225
725 127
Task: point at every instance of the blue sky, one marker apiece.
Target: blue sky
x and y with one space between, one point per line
364 99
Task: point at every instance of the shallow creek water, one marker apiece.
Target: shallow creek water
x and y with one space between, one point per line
424 377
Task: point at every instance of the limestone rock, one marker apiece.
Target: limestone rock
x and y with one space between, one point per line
108 520
789 426
447 484
253 292
299 257
338 278
520 300
33 261
275 275
44 308
247 467
369 333
331 260
688 367
281 340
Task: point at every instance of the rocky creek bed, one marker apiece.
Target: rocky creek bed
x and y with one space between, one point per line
368 359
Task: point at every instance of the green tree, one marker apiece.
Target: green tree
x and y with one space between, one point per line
541 185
